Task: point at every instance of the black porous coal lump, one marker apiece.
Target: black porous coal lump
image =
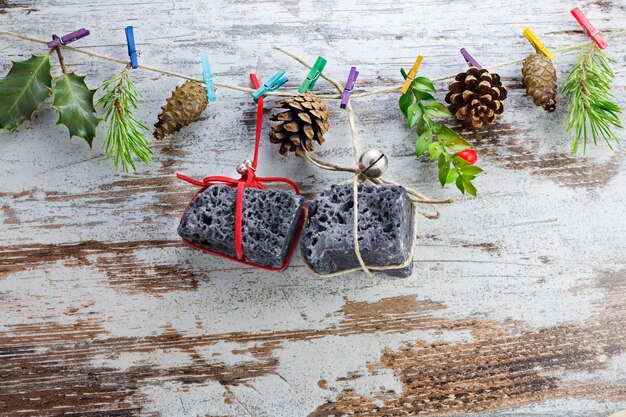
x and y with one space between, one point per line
269 222
385 229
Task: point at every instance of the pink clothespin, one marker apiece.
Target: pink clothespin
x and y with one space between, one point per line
70 37
589 28
349 87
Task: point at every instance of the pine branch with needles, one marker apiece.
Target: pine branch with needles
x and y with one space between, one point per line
126 136
593 112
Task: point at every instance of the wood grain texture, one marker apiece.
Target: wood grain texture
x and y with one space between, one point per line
516 306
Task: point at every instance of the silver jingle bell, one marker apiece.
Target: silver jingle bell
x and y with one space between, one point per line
242 169
373 163
248 163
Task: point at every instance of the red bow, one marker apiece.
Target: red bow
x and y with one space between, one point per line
248 180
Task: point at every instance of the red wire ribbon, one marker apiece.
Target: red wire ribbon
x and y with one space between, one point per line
247 180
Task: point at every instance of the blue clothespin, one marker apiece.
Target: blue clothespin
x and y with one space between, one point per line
132 50
273 84
349 87
207 76
313 75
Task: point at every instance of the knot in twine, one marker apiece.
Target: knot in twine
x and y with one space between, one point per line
416 198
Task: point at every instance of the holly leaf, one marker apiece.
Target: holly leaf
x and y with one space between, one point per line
74 101
22 91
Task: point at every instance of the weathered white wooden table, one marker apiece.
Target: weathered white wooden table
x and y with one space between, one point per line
517 304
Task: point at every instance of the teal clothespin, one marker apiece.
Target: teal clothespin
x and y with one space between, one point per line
273 84
313 75
207 76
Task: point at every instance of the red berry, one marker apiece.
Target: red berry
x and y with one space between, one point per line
469 155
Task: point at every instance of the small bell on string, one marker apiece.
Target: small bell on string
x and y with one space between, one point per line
373 163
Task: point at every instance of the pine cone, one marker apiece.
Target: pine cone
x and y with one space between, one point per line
304 121
186 104
539 78
476 97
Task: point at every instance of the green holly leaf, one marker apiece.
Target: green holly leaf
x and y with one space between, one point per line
74 101
22 91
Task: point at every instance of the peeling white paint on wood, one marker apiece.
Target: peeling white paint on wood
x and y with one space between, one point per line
97 293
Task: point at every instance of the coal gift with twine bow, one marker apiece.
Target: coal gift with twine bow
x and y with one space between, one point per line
242 220
367 223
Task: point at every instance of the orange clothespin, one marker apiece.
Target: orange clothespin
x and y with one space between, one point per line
537 44
589 28
412 73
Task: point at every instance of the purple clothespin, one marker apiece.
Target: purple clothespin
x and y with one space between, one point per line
349 87
70 37
469 59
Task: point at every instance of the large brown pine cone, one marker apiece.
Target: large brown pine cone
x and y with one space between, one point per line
539 78
186 104
476 97
305 120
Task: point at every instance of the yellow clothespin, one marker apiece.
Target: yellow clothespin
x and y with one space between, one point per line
537 44
412 74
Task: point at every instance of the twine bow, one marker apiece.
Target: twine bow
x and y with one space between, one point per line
416 197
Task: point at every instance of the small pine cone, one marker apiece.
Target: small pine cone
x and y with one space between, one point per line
476 97
185 106
306 119
539 78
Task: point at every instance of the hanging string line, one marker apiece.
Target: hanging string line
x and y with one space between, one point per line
386 90
415 197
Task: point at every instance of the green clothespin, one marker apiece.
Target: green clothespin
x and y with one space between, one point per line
313 75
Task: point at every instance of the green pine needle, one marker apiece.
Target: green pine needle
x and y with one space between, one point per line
592 111
126 136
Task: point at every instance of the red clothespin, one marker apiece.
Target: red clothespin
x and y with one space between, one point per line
589 28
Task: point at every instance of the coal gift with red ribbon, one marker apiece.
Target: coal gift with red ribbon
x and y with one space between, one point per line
240 219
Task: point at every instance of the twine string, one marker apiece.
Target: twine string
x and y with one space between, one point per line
355 95
416 197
